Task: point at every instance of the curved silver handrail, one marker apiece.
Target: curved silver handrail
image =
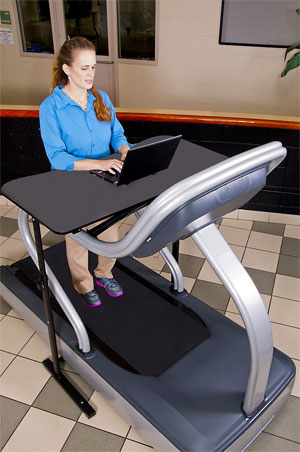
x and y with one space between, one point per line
54 285
169 259
268 155
251 307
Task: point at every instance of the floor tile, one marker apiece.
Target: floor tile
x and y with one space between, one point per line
296 387
106 417
289 266
286 423
212 294
54 399
234 214
189 247
87 439
2 239
13 213
14 334
238 251
51 239
43 229
234 223
23 380
154 262
11 414
261 260
287 287
287 339
5 360
266 242
4 307
283 218
270 443
36 349
13 313
290 246
3 200
208 274
232 306
235 236
292 231
253 215
8 226
13 249
268 228
4 261
190 265
135 436
131 446
4 209
40 431
237 318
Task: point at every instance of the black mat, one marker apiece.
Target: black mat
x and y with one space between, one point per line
147 331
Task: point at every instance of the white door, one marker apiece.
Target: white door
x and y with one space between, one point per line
96 20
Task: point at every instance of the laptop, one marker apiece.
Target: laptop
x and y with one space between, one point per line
144 158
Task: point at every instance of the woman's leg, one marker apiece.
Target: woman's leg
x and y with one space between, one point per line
77 257
105 264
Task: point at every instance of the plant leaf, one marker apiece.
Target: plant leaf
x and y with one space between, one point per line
289 49
291 64
298 11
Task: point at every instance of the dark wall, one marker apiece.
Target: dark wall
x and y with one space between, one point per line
22 153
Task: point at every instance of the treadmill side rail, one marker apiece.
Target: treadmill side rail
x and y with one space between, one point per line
54 285
251 307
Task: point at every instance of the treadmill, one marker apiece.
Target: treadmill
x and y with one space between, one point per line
183 375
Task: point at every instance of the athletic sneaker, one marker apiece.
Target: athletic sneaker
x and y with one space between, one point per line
91 298
110 285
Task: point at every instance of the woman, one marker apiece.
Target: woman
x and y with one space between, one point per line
78 125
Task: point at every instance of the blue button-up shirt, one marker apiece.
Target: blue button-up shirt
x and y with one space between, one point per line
70 134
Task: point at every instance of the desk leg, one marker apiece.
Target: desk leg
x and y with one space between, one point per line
54 366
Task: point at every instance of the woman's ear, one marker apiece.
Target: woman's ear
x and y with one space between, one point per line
66 69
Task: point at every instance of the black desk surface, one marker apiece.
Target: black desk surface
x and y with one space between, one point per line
67 200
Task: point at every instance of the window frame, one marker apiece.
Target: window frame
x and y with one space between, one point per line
59 35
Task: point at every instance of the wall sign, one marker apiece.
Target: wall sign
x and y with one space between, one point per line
5 17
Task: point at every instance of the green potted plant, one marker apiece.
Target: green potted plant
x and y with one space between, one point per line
294 61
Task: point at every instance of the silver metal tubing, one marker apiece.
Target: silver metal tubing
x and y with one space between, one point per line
268 155
251 307
175 269
170 261
54 285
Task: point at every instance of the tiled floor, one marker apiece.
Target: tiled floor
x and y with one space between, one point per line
37 416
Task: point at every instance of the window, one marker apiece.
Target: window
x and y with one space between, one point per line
88 19
45 24
35 23
136 28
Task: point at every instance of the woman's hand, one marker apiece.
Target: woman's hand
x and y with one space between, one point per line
110 165
123 151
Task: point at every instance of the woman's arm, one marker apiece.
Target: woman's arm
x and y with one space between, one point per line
110 165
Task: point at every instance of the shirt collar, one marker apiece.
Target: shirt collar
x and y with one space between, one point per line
62 99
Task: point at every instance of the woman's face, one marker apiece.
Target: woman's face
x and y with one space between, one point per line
82 70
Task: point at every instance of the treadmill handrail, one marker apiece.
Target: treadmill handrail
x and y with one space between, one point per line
251 307
268 155
54 285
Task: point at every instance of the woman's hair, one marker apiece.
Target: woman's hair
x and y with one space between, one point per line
66 56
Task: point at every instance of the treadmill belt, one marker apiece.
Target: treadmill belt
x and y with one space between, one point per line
144 329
